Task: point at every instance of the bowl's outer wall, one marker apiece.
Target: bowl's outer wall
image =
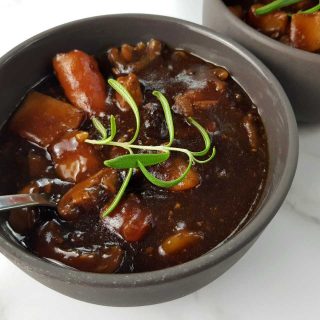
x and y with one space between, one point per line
135 295
298 71
31 61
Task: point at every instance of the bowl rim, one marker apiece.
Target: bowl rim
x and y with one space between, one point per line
40 266
264 40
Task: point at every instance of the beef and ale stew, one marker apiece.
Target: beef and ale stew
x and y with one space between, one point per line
295 23
153 156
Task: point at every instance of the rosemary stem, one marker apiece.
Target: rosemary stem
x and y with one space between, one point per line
152 148
121 191
275 5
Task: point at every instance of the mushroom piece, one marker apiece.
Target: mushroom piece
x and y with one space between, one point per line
74 159
22 220
198 99
252 132
133 59
89 195
50 243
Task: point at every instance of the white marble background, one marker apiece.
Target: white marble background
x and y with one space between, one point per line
279 278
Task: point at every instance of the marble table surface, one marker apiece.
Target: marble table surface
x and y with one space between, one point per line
279 278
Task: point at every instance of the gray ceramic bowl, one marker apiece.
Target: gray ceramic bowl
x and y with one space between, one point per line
30 61
297 70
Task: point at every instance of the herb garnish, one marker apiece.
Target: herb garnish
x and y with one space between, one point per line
158 154
278 4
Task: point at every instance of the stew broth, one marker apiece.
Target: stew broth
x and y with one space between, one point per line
152 228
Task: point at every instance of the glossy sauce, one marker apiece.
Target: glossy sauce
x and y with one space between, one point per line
152 228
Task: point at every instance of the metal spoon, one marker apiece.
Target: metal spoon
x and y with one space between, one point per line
14 201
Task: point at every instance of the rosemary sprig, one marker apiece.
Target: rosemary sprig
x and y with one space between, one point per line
275 5
167 115
158 154
120 193
127 96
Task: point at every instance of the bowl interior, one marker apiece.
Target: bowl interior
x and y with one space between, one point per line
31 61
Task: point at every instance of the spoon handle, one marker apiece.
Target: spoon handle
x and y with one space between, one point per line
14 201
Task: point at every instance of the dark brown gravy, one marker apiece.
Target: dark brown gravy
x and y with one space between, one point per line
230 185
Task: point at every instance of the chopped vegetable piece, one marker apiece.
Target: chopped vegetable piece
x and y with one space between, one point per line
42 119
22 220
305 31
273 24
131 83
74 160
172 169
221 73
130 219
179 242
82 81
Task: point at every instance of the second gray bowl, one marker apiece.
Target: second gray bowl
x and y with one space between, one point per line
297 70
